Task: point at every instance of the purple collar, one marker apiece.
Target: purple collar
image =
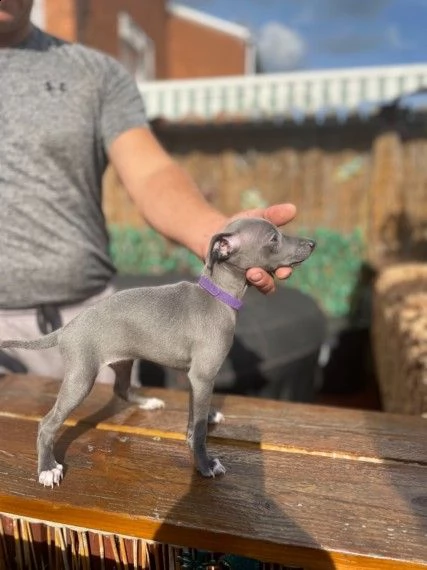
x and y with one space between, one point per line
206 284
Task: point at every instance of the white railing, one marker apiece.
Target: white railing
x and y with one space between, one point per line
295 95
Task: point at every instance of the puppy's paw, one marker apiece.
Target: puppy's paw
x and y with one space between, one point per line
151 404
212 469
52 476
215 417
217 467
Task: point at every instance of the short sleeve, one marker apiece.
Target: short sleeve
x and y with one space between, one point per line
122 105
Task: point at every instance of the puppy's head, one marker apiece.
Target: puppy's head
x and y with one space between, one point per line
255 242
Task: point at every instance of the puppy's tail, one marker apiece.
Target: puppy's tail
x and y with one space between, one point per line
46 341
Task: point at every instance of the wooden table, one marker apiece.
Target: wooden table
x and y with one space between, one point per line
306 486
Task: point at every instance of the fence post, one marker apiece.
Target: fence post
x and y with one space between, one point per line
385 196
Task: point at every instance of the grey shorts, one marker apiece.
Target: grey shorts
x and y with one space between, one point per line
24 324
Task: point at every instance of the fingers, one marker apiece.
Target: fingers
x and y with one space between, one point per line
283 272
263 281
278 214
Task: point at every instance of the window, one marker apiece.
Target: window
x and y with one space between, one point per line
136 49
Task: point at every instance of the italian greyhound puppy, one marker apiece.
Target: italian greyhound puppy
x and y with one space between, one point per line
185 326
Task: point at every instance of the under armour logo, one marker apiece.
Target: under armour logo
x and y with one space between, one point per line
50 87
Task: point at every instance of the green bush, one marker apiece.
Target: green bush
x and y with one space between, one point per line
330 275
146 252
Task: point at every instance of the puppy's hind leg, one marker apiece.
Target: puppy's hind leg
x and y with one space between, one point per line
75 387
124 390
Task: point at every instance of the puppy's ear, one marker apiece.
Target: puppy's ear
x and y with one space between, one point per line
221 247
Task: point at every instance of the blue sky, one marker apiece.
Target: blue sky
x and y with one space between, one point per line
318 34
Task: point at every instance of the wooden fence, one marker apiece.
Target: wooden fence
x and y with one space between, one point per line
360 174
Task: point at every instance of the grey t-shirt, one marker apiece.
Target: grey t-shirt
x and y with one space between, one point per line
61 106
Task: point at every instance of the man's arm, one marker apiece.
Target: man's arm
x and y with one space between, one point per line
163 192
169 200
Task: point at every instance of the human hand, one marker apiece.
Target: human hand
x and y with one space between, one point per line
278 214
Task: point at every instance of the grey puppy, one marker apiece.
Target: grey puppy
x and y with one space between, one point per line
186 326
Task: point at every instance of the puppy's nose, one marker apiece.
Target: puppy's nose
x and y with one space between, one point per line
311 243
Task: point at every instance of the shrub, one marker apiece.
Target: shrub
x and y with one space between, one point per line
330 275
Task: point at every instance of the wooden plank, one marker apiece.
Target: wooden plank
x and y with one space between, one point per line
309 511
295 428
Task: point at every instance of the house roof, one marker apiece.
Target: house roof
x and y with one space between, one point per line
210 21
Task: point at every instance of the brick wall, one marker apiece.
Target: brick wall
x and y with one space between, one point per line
61 18
194 50
95 23
98 25
183 48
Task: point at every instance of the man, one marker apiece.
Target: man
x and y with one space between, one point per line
65 111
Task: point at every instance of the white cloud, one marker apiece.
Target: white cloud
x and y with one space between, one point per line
280 48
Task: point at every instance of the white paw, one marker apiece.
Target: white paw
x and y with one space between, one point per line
216 417
151 404
215 468
51 477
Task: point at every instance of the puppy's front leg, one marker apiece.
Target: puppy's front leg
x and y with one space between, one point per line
200 397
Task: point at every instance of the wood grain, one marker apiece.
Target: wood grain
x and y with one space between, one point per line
307 486
271 424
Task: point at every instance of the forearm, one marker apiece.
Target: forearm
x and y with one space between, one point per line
163 192
169 200
171 203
